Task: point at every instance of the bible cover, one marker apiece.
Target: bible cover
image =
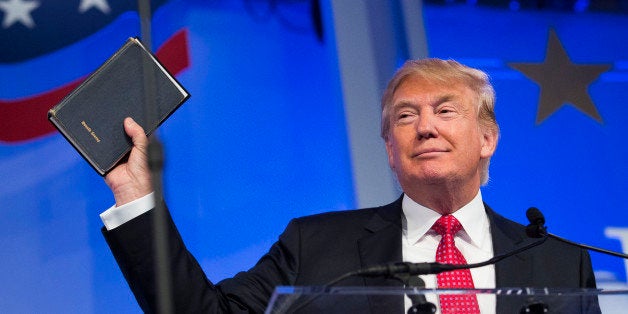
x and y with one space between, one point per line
131 83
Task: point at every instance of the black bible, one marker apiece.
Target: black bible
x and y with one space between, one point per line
131 83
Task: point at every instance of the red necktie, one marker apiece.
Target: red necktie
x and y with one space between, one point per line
447 226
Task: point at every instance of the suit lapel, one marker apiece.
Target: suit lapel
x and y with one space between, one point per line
513 271
383 245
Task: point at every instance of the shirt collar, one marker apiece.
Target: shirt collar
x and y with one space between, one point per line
418 220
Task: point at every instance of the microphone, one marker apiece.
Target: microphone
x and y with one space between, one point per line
431 268
537 229
404 268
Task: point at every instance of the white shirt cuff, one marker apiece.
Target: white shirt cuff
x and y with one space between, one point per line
116 216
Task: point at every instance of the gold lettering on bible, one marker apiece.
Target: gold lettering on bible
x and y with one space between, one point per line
93 134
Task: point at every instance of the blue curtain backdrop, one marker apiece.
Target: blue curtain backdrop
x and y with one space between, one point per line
263 137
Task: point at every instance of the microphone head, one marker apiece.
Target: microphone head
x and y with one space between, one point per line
536 228
535 216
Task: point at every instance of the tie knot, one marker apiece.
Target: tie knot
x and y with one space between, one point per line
447 225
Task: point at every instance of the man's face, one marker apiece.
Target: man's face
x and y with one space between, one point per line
434 136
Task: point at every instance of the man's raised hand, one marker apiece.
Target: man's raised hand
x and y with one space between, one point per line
131 178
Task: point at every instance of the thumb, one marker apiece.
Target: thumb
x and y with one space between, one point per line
136 133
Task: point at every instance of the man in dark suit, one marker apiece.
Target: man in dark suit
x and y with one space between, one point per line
440 132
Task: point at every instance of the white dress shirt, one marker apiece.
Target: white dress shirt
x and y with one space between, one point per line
474 241
116 216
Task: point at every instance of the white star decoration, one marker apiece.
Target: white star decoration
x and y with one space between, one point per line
101 5
18 11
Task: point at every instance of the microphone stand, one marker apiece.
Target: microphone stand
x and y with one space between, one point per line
537 229
420 305
163 276
588 247
392 269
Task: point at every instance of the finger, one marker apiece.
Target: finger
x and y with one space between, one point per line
136 132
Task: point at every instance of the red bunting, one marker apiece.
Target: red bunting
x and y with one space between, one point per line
26 119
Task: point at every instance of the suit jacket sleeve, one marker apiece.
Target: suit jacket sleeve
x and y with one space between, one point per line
132 247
